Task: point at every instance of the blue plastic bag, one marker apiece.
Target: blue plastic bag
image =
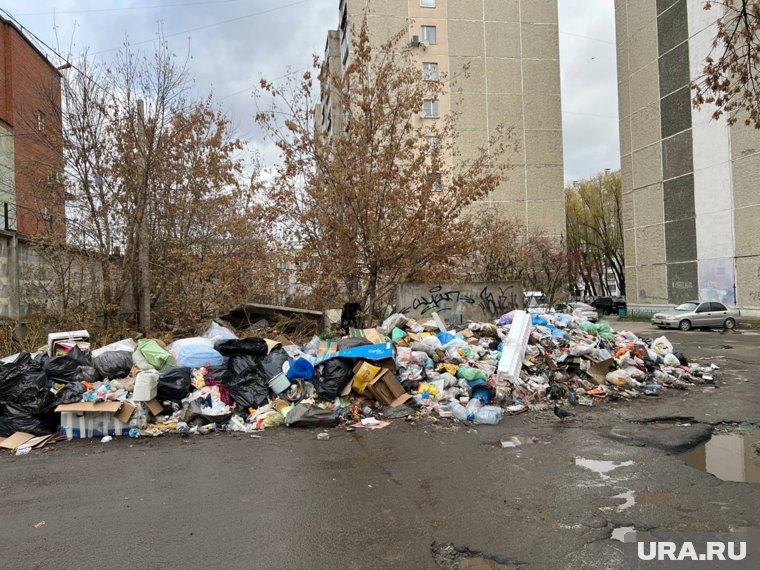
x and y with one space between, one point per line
199 355
300 368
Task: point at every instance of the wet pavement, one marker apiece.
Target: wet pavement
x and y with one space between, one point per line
429 495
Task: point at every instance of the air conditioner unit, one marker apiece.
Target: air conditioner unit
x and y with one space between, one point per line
415 41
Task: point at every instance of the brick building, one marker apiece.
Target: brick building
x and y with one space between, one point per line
31 153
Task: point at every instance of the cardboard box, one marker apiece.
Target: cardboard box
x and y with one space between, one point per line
387 390
372 335
95 419
71 336
598 371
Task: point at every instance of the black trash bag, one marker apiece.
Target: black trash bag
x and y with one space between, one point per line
307 415
113 364
251 346
244 378
24 384
72 367
272 363
336 373
13 419
352 342
682 360
69 394
174 384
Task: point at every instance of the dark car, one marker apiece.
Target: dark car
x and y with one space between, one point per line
609 305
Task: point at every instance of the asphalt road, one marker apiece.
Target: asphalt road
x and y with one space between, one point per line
382 499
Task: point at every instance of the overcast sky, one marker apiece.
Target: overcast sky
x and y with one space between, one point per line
234 42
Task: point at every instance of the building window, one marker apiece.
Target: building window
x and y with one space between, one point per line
433 142
40 121
430 109
427 3
428 34
430 71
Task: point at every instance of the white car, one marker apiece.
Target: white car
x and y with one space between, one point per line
698 314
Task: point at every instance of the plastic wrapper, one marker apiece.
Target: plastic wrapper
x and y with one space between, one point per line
305 415
151 352
217 332
127 345
113 364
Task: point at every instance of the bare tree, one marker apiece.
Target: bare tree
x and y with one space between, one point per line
731 77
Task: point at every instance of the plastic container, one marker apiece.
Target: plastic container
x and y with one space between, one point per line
458 411
279 383
490 415
474 405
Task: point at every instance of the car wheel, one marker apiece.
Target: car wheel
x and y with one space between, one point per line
729 324
685 325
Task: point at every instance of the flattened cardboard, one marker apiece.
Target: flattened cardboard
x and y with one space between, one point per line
123 415
372 335
598 371
122 410
466 333
155 407
99 407
18 438
271 344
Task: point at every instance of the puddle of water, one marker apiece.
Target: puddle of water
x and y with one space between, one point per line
600 466
480 563
630 499
730 457
624 534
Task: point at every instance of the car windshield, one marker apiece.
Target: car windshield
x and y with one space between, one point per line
688 307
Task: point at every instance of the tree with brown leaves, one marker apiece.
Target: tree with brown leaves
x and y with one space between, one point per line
379 202
731 78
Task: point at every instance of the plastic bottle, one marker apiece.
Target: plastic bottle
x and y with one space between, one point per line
474 405
458 411
489 415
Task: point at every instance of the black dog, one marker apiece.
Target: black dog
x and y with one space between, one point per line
349 316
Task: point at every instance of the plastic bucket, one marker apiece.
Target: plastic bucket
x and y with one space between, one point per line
279 383
622 312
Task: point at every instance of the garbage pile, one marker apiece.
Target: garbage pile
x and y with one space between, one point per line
404 368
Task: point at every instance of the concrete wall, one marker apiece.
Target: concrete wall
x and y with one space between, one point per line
459 302
690 199
31 281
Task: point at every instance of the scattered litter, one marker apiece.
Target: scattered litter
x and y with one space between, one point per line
423 371
513 441
39 524
323 436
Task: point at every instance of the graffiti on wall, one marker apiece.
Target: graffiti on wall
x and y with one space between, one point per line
459 302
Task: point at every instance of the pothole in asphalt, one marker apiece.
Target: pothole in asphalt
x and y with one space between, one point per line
624 534
459 558
728 456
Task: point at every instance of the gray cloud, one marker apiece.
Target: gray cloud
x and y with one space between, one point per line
230 58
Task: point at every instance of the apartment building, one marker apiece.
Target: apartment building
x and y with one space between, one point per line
691 202
510 49
31 152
